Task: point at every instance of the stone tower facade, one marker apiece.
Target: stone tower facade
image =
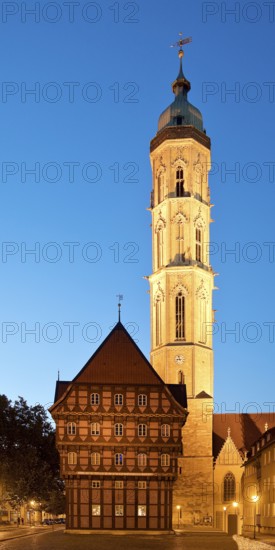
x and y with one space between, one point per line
181 289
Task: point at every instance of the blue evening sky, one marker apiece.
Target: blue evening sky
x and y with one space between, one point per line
102 75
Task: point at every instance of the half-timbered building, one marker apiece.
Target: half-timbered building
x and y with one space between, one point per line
118 431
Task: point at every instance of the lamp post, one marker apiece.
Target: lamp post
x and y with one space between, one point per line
254 499
178 509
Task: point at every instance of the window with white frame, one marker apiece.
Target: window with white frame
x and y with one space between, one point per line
118 484
72 458
119 510
142 430
142 459
118 428
118 459
95 484
95 459
71 428
95 428
165 460
118 399
95 399
142 400
141 510
165 430
96 510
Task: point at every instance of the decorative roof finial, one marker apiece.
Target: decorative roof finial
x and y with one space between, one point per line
266 427
228 432
58 375
181 42
120 298
181 80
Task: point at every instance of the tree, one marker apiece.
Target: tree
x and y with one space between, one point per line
29 462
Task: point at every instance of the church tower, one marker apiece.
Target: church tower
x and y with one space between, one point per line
181 288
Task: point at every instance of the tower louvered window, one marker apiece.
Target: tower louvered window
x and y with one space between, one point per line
180 314
179 182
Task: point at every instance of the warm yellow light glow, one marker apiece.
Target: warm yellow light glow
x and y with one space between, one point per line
32 502
224 508
255 498
235 504
178 507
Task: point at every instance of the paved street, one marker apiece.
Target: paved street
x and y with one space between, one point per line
60 541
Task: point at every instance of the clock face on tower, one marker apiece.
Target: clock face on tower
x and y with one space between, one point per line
179 359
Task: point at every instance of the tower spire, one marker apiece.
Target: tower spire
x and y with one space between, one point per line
181 81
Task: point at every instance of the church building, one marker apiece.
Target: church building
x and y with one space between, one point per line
130 456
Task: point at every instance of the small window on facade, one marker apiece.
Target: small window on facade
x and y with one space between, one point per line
72 459
180 377
95 428
95 459
165 430
118 430
165 460
118 459
142 400
71 428
95 399
96 510
142 459
119 484
142 430
141 510
119 510
142 485
95 484
118 399
229 487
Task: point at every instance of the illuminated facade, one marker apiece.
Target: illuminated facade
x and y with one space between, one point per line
118 433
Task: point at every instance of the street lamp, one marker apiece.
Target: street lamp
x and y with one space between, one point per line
255 499
179 510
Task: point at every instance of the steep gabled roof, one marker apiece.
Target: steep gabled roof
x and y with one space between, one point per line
118 361
244 429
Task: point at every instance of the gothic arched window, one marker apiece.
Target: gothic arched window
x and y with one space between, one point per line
160 187
160 246
198 244
229 487
158 321
179 182
180 316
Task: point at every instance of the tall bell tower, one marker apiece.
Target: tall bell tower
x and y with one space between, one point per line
181 287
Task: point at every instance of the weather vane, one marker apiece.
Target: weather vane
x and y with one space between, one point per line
181 42
120 298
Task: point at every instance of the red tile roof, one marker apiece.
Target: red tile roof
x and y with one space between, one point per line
245 429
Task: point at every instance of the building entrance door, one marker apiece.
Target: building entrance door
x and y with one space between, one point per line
232 524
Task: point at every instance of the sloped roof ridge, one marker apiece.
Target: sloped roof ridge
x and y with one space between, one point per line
119 326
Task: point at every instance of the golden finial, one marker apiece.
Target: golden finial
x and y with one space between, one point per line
181 42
